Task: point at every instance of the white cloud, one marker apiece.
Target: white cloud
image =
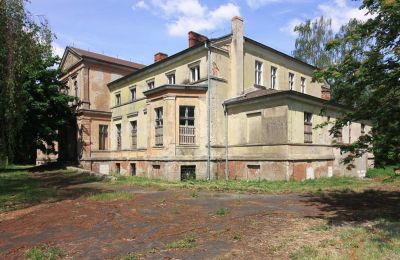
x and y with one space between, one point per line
338 10
190 15
57 49
255 4
140 5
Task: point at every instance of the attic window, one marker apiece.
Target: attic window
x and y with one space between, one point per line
195 73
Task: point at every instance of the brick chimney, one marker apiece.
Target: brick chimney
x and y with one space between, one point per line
325 93
159 56
195 38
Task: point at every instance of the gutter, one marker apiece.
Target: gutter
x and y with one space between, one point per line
207 46
226 143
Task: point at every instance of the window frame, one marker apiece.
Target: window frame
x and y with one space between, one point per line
171 76
291 80
150 84
118 136
133 93
118 99
274 73
103 137
194 73
258 73
133 125
303 85
159 126
308 127
187 131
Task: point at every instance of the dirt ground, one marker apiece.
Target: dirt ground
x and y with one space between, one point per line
251 226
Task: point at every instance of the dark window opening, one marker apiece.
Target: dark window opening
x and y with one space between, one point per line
188 172
134 134
103 134
118 168
159 126
133 169
118 126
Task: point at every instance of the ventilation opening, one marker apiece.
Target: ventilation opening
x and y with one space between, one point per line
253 172
118 168
188 172
133 169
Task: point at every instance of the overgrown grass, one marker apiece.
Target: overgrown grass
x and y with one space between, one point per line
111 196
382 172
19 188
316 185
221 211
44 252
379 240
186 242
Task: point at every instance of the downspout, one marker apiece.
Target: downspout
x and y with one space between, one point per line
207 45
226 142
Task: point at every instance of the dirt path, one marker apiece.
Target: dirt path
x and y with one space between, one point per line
253 225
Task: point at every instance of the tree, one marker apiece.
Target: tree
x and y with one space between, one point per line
367 80
311 41
32 102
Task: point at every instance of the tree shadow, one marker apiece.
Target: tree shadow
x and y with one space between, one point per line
341 207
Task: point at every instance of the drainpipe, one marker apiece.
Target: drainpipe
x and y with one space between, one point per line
226 143
207 45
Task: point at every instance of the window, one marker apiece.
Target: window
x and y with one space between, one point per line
133 169
103 134
150 84
303 84
171 79
188 172
273 77
118 168
133 93
362 128
75 80
118 136
117 99
195 73
307 127
258 71
186 125
291 81
134 134
159 126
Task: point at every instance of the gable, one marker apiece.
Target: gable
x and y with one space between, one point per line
69 60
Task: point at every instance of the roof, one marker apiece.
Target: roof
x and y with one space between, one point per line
104 58
178 87
167 59
262 93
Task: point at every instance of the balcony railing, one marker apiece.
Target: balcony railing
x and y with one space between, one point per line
187 135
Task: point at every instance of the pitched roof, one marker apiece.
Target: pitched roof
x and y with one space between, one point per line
104 58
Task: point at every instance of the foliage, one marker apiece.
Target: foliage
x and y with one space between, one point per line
32 103
111 196
367 80
388 171
44 252
186 242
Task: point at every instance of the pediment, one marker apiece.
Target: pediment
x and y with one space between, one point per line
69 60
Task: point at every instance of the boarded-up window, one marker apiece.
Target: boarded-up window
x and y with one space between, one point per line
134 134
188 172
118 136
159 124
103 136
253 172
307 127
254 128
186 125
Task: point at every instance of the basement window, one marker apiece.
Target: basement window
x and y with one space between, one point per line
188 172
118 168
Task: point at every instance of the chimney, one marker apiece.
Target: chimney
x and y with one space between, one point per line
325 93
159 56
195 38
236 54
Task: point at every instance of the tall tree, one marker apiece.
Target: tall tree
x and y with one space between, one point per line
32 102
367 80
311 41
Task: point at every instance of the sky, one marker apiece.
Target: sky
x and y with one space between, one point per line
137 29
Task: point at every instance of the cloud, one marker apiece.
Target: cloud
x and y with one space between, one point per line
338 10
189 15
57 49
255 4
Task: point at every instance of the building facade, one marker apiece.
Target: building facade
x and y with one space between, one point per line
86 74
228 107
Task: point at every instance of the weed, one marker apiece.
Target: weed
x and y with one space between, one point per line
110 196
194 194
221 211
44 252
176 211
186 242
306 252
237 237
321 227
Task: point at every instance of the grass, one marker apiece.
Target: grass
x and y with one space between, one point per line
221 211
19 188
186 242
44 252
382 172
111 196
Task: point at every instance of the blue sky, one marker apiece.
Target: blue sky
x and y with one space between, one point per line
137 29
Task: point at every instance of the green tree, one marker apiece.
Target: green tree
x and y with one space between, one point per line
32 103
367 80
311 41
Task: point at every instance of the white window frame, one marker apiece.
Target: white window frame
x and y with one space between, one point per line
274 72
118 99
171 78
303 84
258 73
133 93
150 84
194 73
291 80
